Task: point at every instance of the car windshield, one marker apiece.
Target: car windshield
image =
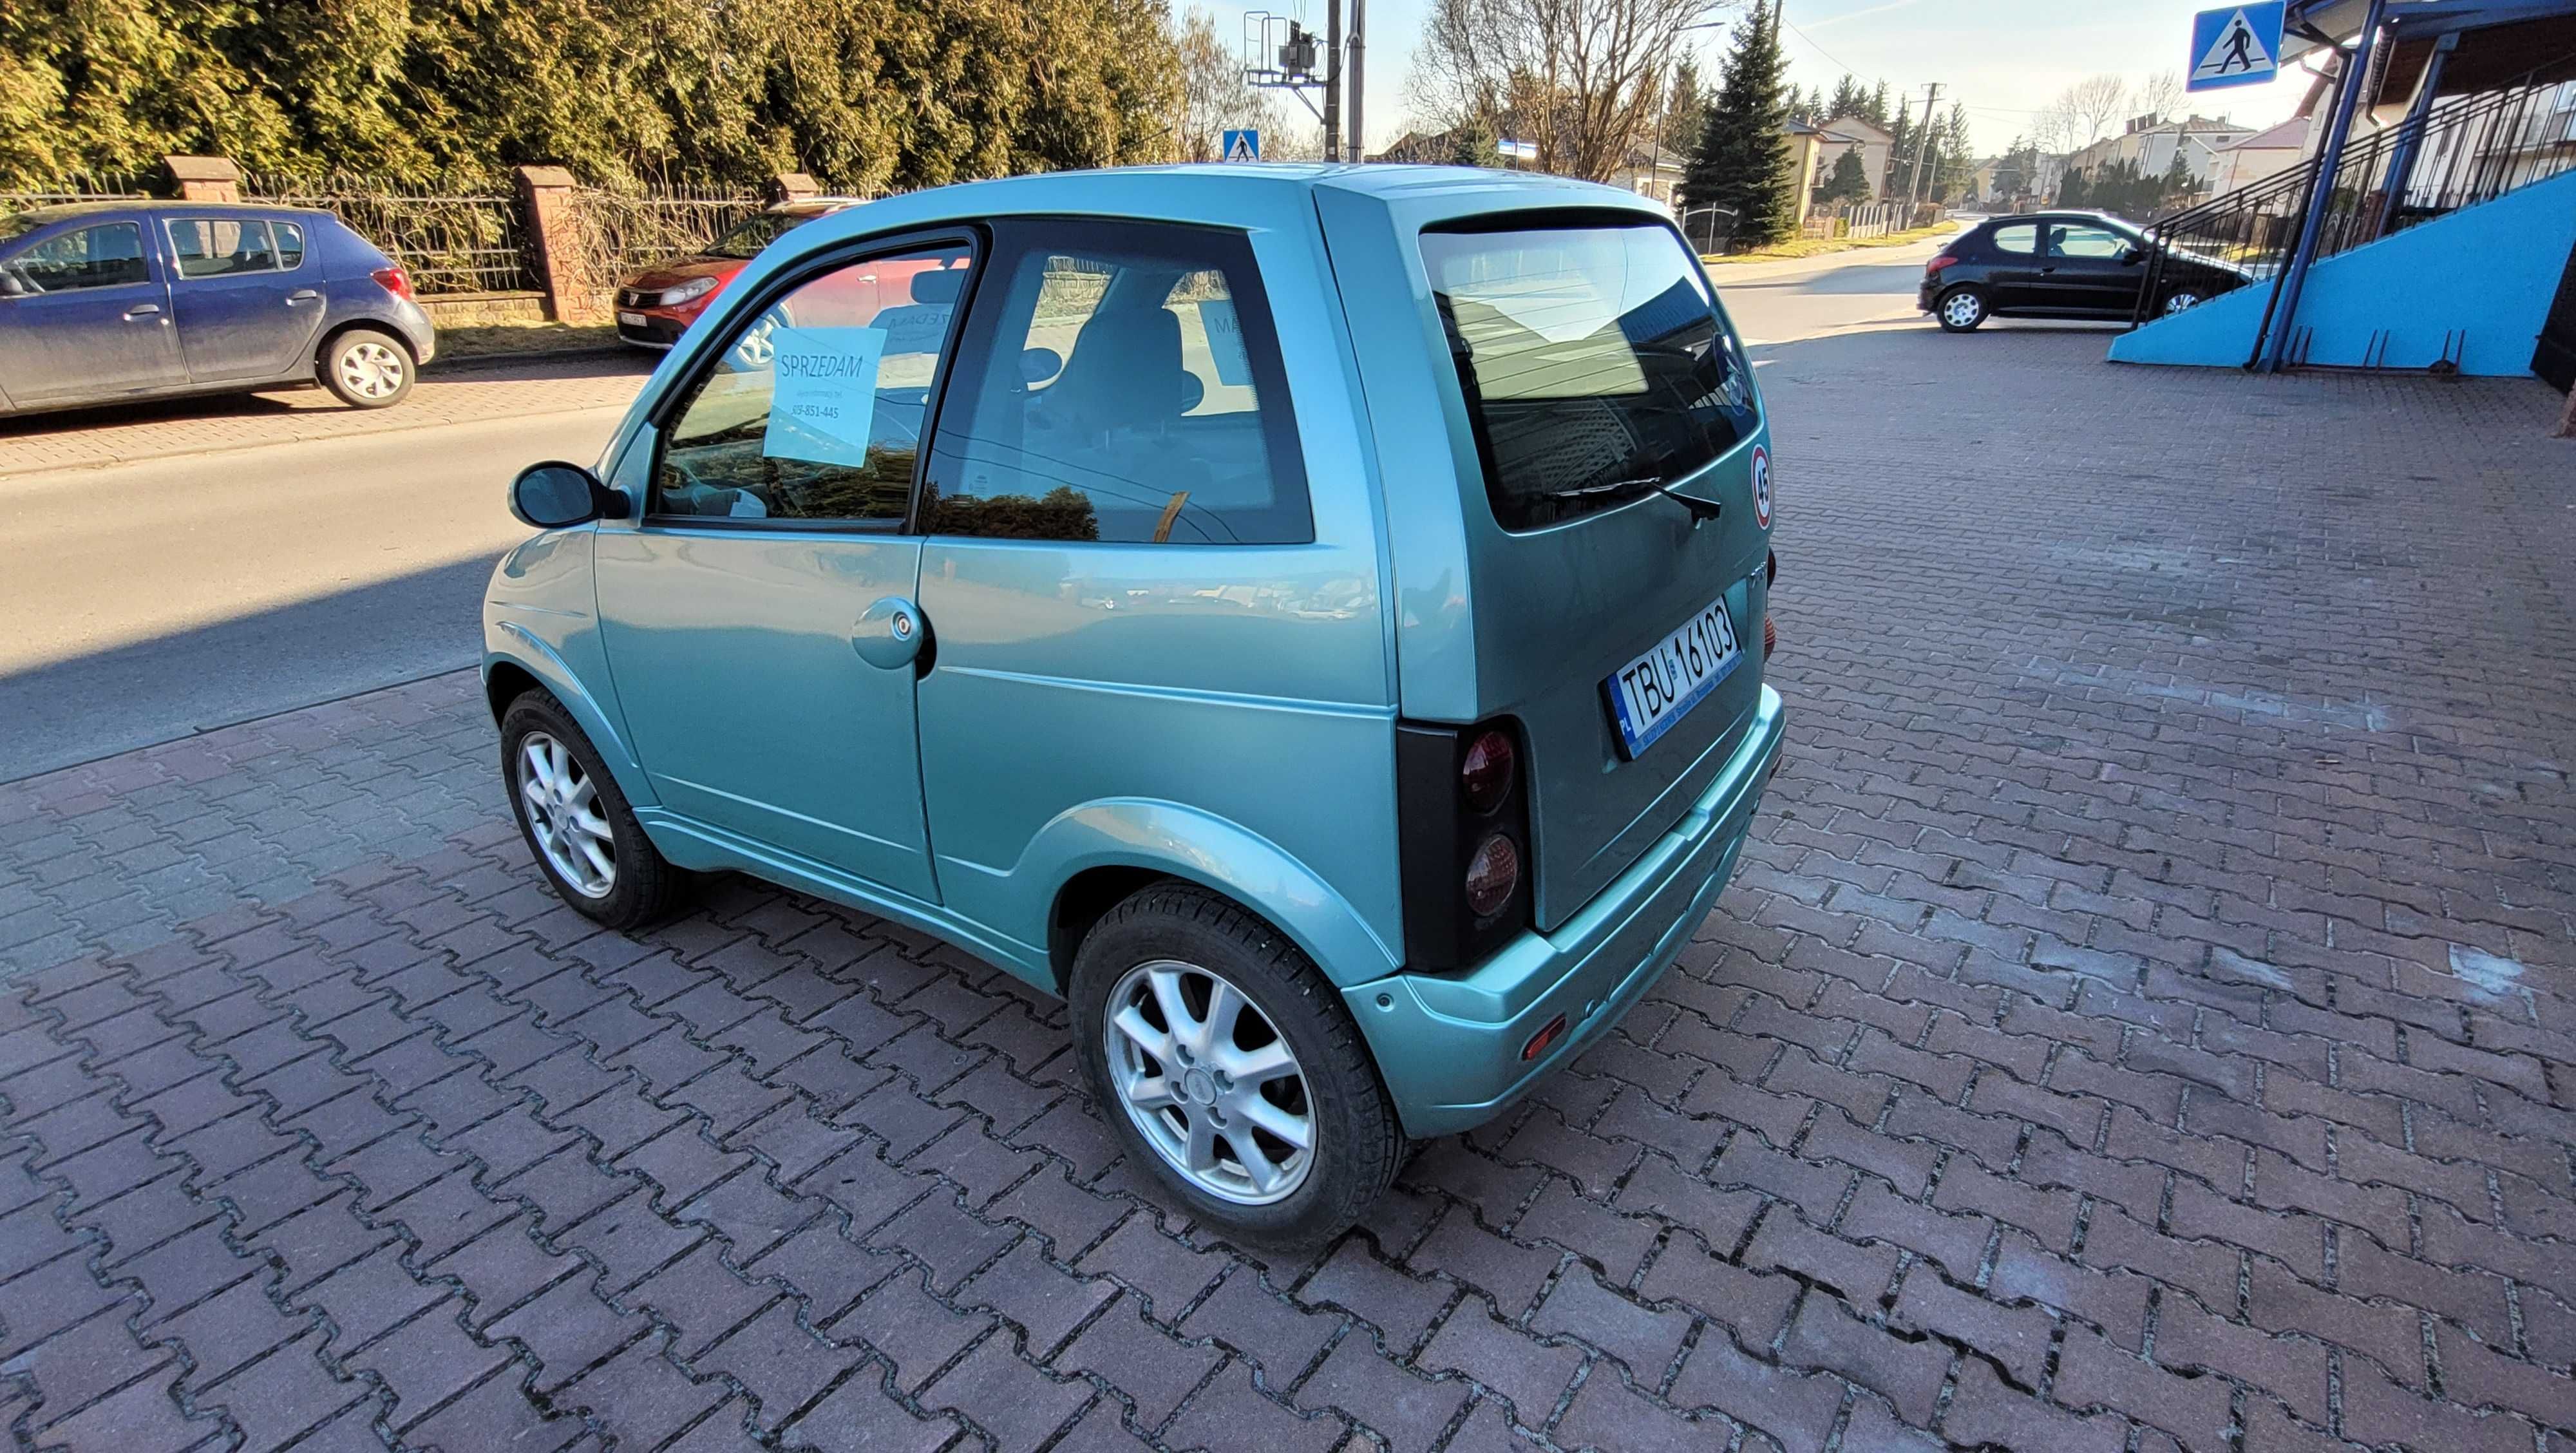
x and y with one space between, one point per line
1592 362
754 233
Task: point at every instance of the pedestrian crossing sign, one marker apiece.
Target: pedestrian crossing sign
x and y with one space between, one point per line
2239 45
1243 145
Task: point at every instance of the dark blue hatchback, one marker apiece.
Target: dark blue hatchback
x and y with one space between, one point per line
105 302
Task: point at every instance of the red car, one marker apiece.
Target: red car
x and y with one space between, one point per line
655 306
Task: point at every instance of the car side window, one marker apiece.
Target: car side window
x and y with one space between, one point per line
1120 383
106 256
2070 239
2020 239
290 245
220 247
815 407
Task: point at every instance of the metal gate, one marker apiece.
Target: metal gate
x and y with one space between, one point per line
2555 358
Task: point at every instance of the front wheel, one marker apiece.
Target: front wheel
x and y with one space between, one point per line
2181 300
367 369
577 822
1227 1066
1960 310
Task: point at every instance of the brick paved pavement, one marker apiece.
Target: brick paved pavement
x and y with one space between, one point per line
2143 1021
469 391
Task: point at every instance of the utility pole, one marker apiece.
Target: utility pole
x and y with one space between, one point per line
1332 80
1922 138
1359 80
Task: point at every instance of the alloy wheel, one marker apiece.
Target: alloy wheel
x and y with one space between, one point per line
2180 302
563 813
1210 1082
372 370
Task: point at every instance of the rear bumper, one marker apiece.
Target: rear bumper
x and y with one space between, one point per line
1449 1047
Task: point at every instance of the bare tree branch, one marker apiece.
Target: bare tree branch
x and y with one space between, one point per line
1582 79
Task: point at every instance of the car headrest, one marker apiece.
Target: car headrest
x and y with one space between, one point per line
942 286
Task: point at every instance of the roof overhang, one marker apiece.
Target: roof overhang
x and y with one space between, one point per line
2312 25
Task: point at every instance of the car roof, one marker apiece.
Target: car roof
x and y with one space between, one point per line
1215 192
2063 214
66 211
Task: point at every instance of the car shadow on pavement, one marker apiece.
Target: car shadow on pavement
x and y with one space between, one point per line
241 668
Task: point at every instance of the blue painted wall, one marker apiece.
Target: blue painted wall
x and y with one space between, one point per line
2489 269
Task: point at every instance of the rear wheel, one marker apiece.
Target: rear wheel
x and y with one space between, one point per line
1229 1069
1960 310
367 369
2181 300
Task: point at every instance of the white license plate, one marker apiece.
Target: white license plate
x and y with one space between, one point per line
1657 689
630 320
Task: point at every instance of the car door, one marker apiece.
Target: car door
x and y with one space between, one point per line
758 619
85 316
2012 267
1123 570
248 304
2083 270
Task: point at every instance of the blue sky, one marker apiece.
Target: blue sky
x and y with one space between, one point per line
2004 58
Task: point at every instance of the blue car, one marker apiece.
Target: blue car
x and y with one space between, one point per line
1310 618
111 302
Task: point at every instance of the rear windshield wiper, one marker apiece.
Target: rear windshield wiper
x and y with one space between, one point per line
1701 510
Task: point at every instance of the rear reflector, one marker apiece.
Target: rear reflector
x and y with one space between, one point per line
1540 1041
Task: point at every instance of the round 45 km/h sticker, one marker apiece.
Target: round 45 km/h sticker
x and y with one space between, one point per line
1761 486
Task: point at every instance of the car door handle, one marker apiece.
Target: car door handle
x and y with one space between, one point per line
141 310
301 295
891 633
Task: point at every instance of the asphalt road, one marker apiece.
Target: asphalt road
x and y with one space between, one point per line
156 599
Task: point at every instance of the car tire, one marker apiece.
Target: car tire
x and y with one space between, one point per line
569 809
1960 310
1154 965
367 369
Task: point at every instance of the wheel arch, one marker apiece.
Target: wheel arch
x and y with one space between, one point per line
507 675
334 332
1098 855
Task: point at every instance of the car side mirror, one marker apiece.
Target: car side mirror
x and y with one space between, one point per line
2131 257
554 494
11 285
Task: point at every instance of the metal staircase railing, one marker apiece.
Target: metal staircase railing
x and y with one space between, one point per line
2460 151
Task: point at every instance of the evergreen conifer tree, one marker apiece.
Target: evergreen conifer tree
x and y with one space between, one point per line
1742 162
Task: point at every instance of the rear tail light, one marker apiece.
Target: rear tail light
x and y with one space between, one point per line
1488 770
1493 875
1933 268
1462 805
393 280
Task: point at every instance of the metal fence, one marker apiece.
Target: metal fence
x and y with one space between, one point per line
2461 151
468 238
622 230
75 187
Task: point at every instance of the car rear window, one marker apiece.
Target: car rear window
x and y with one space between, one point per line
1592 361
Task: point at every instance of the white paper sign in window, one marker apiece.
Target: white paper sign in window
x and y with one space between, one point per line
825 394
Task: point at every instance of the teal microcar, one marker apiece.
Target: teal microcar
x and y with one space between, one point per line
1310 618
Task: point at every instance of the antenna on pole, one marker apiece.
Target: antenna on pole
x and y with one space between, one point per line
1280 54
